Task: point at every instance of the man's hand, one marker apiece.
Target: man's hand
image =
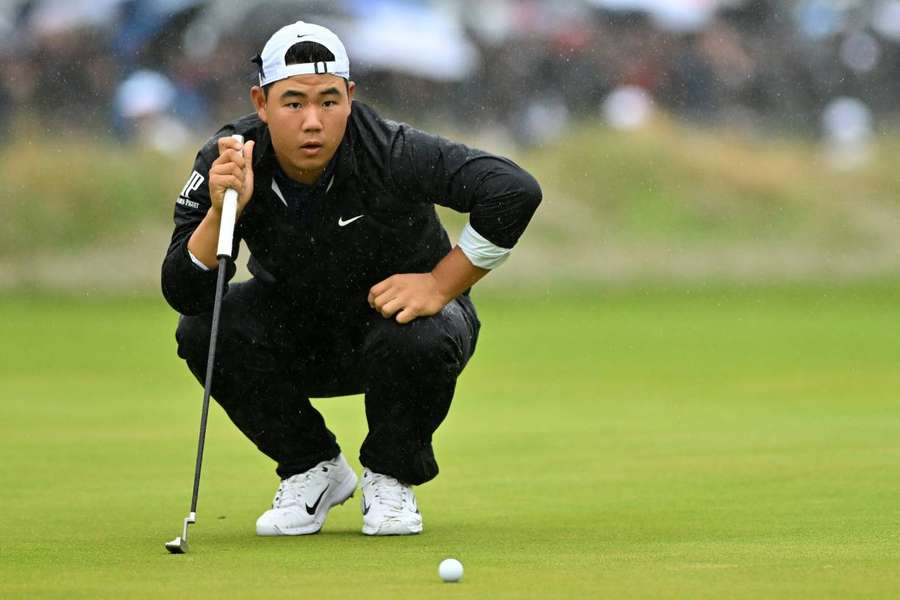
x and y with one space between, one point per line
408 296
425 294
233 169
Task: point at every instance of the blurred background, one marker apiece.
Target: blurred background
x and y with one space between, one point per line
706 299
689 140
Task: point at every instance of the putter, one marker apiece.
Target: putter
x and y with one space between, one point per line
223 252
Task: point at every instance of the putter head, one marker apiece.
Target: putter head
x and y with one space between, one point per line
180 545
177 546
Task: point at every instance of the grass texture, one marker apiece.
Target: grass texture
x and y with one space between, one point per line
702 443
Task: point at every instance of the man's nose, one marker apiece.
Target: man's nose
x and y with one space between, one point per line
311 119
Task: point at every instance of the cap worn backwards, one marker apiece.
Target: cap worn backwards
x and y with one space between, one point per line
271 62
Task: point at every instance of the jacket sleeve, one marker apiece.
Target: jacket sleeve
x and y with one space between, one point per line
499 196
188 288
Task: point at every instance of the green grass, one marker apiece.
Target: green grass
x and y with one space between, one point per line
701 186
666 184
661 443
69 193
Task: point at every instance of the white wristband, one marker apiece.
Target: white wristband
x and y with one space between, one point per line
480 251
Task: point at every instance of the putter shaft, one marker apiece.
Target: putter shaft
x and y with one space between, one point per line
179 544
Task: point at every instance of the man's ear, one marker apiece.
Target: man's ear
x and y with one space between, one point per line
259 103
351 89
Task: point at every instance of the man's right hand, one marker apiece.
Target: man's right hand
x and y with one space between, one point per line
233 169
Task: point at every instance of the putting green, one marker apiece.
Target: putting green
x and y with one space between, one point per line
605 444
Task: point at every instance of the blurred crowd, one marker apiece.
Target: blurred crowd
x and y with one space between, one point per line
164 71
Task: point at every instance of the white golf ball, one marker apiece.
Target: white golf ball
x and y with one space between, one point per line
450 570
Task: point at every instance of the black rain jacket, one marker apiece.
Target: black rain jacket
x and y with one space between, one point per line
390 173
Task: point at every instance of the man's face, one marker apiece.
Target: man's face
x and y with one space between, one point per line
307 117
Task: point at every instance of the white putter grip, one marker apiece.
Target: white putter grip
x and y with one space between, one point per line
229 213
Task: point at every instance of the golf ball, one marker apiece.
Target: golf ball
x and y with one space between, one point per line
450 570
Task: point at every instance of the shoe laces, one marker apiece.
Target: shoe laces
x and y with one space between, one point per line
389 493
290 490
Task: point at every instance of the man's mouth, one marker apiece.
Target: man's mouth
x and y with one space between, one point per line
311 148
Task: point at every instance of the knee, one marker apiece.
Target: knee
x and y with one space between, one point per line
419 343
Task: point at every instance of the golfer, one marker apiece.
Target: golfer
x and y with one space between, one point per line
355 287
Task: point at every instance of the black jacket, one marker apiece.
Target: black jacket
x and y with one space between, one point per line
389 172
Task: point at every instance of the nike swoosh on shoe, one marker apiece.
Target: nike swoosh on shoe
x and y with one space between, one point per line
312 509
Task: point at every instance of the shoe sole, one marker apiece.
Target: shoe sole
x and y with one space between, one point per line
344 492
369 530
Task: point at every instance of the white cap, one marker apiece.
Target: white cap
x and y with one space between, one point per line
271 61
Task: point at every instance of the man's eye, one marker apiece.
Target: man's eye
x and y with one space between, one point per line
294 105
330 103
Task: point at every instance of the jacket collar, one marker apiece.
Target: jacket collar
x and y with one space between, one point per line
347 166
264 156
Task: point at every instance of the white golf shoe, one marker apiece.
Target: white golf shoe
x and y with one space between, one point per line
388 506
302 501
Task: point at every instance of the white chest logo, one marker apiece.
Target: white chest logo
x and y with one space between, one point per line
343 223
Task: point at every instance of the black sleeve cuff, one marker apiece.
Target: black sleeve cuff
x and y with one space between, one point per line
187 288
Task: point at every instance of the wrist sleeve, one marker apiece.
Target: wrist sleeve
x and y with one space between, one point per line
480 251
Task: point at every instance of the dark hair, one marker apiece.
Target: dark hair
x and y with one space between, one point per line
301 53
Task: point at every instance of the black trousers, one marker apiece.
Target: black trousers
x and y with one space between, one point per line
272 356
